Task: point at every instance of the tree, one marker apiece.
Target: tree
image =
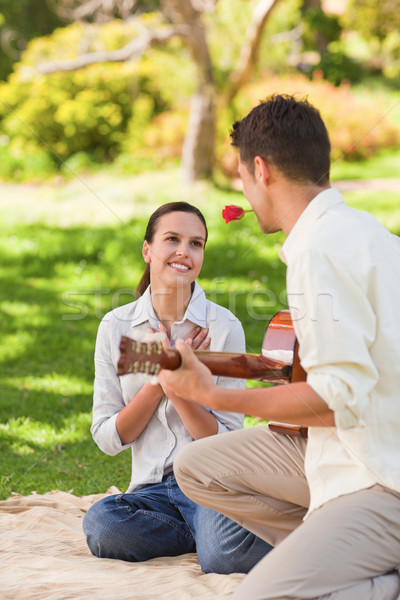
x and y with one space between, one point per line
183 18
19 22
374 18
378 22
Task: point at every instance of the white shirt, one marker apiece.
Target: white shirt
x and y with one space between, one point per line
154 450
343 285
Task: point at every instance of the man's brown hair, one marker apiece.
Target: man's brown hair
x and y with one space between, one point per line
290 134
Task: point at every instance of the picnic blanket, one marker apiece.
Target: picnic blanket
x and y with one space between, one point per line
43 556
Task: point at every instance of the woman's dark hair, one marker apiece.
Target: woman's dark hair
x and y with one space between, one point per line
162 210
289 133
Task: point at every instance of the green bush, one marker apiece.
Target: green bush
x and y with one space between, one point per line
66 113
337 66
24 161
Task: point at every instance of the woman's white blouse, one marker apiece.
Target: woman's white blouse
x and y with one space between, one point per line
154 450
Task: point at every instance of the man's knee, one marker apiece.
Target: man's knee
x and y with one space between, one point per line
185 466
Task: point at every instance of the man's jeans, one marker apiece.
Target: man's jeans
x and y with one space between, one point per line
159 520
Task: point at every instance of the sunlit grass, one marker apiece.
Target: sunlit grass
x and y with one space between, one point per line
384 164
383 205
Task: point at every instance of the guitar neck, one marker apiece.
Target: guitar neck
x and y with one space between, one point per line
245 366
148 358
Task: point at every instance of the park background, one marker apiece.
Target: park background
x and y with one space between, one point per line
109 109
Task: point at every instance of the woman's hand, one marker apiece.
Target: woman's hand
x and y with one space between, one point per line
196 339
187 388
199 421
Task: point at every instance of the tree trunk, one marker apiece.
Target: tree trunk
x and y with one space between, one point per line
321 41
249 52
198 147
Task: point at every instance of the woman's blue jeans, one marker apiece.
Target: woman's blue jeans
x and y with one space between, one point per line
159 520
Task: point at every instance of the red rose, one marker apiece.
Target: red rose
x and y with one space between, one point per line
232 213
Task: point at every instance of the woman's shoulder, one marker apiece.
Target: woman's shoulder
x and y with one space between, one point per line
219 312
120 315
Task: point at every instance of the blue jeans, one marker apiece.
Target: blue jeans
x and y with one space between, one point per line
159 520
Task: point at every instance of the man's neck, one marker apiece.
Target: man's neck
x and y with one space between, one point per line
294 199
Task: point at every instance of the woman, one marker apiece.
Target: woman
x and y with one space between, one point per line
154 518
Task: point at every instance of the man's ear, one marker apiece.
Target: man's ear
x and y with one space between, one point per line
261 169
146 252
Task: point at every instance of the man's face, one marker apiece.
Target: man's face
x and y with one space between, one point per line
256 194
257 191
248 181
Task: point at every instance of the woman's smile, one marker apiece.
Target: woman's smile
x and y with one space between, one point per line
179 266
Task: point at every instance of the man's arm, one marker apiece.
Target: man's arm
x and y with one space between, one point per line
291 403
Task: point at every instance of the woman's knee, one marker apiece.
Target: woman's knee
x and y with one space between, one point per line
228 556
224 546
99 527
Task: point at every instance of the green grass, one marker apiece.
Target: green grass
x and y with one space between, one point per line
69 254
384 164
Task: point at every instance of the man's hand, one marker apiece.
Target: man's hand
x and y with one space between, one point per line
193 381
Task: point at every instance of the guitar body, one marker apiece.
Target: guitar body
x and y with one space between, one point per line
280 341
278 362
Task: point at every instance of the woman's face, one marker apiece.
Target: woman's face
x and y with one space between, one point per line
176 253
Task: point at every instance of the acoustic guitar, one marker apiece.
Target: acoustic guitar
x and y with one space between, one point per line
278 362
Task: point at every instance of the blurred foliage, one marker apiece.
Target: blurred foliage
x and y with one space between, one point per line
359 124
374 18
89 110
337 66
323 32
21 21
24 20
377 23
316 21
131 114
282 43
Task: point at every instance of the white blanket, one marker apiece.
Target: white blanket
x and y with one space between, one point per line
43 556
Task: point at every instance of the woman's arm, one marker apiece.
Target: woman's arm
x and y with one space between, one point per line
134 417
199 421
115 424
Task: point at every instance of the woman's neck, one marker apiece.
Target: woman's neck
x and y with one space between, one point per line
170 304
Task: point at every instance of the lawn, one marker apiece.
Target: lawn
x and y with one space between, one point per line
71 252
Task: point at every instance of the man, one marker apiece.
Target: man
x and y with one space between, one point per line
330 504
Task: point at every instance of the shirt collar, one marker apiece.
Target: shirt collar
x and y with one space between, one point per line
196 312
315 209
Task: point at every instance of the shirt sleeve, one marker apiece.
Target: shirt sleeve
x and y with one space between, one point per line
335 325
235 342
107 394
